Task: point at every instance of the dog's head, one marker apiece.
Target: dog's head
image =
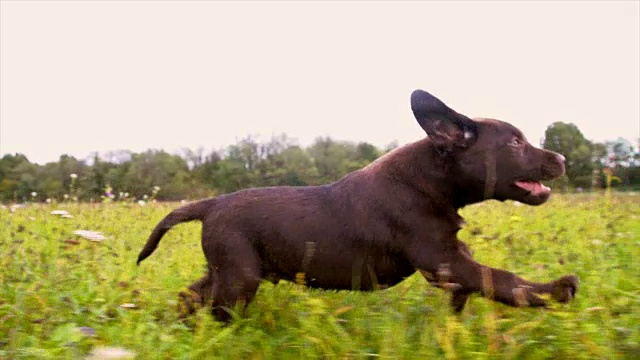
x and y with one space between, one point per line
487 158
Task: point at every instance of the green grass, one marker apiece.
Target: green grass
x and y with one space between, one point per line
53 283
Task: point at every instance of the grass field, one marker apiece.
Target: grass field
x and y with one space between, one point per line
62 296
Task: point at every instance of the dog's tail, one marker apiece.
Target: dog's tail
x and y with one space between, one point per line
189 212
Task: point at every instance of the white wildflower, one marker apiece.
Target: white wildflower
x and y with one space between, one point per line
34 194
142 203
48 201
74 176
145 196
67 216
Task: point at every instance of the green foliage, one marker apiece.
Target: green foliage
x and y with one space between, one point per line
277 161
248 163
588 163
62 296
567 140
625 163
17 177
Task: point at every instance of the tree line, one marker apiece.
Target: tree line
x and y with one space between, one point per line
191 174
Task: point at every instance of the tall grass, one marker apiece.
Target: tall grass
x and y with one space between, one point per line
62 296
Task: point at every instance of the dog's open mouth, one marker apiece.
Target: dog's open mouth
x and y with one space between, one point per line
533 187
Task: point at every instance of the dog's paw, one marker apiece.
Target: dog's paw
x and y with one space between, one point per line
188 303
459 299
565 288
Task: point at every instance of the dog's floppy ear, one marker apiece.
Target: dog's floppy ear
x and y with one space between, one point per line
443 125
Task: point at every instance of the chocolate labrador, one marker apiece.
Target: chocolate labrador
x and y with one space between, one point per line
380 224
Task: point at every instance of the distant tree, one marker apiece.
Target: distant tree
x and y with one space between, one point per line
194 158
622 158
292 166
621 152
50 183
390 146
566 139
157 168
205 172
333 159
367 153
96 179
599 157
17 177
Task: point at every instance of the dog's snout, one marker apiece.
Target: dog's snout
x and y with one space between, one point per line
553 164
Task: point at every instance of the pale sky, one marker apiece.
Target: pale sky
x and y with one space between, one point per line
83 76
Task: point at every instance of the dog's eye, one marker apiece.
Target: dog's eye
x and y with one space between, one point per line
515 142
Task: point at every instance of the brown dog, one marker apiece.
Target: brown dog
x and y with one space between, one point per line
378 225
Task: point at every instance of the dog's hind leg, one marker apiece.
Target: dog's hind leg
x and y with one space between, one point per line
238 286
236 277
197 295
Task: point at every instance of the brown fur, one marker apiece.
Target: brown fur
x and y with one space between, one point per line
378 225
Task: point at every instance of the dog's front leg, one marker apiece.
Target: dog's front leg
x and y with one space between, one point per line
463 275
504 286
459 295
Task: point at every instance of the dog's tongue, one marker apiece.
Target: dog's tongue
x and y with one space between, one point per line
535 187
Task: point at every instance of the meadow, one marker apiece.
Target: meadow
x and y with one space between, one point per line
64 296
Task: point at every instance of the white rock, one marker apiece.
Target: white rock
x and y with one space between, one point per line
90 235
104 353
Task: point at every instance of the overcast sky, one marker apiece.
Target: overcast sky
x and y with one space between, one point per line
83 76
